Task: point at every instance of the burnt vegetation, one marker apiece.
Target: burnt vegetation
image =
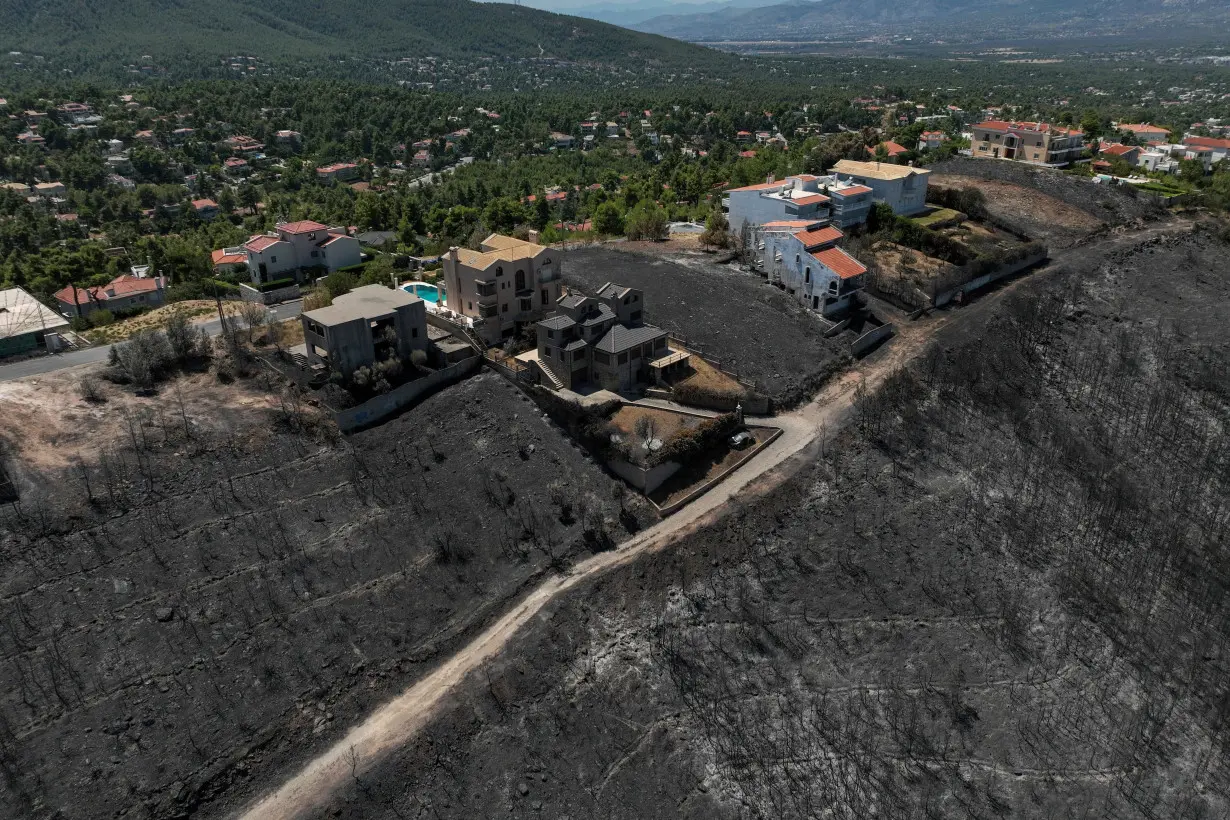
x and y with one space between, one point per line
1000 593
194 611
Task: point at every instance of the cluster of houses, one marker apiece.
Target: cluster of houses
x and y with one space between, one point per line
792 227
506 287
291 249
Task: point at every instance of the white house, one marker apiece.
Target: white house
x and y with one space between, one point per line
299 245
808 265
802 197
902 187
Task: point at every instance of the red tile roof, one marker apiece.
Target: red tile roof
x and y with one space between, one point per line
853 190
1206 142
790 223
259 243
814 239
839 262
809 199
1117 150
302 226
763 186
893 148
119 287
199 204
747 154
221 257
1034 127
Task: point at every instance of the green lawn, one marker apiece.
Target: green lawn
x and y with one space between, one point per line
936 216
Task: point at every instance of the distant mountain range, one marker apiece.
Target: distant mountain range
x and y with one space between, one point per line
947 20
86 32
630 12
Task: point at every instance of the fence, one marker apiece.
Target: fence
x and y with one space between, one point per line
381 407
681 343
508 367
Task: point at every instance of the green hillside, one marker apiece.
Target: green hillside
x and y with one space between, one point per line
81 33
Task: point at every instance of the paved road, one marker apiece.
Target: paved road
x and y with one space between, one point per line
94 355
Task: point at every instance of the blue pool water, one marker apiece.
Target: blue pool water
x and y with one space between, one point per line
428 293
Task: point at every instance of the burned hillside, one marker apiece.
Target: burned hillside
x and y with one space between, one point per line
189 615
1001 592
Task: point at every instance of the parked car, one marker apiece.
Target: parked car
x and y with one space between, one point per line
741 439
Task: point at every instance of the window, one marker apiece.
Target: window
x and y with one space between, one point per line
601 358
499 271
807 275
504 309
544 296
797 259
414 333
469 306
550 334
274 259
623 358
315 254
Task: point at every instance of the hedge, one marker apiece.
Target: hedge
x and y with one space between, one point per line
276 284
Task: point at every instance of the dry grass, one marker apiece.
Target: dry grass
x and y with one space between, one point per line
196 309
668 424
705 377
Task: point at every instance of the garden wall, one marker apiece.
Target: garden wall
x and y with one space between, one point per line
645 480
946 296
269 297
377 409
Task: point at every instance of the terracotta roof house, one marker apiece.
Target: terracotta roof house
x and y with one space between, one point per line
297 246
506 285
342 171
120 294
1144 131
809 266
894 149
1037 143
205 208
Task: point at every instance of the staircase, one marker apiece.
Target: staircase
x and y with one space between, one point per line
552 379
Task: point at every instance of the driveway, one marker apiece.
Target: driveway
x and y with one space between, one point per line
93 355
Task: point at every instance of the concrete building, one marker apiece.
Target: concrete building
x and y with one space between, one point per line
25 323
508 284
603 341
123 293
1217 149
1037 143
902 187
296 246
807 264
804 197
368 325
339 171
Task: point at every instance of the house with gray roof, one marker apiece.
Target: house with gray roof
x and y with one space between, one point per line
603 341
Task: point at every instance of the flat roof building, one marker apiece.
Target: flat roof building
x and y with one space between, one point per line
369 324
25 322
902 187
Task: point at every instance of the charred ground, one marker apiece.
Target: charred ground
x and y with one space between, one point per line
196 611
1002 593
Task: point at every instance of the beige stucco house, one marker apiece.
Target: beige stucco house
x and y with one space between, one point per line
507 284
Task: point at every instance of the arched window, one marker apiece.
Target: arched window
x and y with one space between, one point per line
499 270
807 275
520 280
797 259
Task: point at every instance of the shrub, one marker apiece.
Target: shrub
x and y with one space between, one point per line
276 284
90 389
144 359
647 221
187 341
98 318
339 282
691 443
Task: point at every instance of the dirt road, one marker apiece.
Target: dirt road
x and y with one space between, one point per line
398 721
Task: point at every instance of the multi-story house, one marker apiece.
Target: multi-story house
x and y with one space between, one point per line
296 246
73 112
930 140
367 325
1216 149
804 260
602 340
206 209
505 285
902 187
803 197
1037 143
342 171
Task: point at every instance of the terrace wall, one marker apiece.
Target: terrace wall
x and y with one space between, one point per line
377 409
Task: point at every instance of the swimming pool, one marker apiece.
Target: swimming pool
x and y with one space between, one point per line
426 292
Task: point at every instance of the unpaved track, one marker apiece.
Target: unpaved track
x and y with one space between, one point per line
399 720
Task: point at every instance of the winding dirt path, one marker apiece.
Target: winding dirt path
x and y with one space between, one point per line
399 720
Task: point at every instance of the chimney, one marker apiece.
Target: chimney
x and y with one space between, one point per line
534 237
452 255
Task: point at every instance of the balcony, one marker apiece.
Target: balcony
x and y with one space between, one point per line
488 311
